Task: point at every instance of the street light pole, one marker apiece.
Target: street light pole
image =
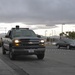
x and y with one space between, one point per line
45 32
5 29
62 28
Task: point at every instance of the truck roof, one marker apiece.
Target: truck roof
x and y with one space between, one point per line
21 28
17 27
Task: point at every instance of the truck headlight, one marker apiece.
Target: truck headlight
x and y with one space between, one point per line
42 41
16 41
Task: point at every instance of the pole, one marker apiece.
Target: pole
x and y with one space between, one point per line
62 28
5 30
45 35
45 32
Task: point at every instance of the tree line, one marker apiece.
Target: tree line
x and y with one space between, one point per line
69 34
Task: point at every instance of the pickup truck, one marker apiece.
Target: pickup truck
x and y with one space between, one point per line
23 41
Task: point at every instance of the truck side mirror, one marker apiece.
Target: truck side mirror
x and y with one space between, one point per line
39 36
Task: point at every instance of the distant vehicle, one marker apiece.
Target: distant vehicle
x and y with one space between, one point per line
53 43
23 41
67 43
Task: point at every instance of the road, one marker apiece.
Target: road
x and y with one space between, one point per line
56 62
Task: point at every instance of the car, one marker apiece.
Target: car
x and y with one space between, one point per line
67 43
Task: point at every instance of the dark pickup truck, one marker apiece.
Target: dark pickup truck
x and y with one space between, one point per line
23 41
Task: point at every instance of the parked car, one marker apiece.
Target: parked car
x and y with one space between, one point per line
67 43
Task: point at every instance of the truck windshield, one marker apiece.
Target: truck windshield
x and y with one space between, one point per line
23 33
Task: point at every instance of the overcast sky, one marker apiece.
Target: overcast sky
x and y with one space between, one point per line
37 11
39 14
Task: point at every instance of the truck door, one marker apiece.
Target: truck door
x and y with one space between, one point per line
7 40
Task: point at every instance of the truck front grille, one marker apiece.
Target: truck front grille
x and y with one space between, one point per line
29 44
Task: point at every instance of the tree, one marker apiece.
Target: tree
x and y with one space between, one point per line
62 34
68 34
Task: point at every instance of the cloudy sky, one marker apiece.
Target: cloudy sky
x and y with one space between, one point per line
37 12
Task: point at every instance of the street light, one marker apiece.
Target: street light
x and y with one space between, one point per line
52 32
62 31
5 29
62 27
45 32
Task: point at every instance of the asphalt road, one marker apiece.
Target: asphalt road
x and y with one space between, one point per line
56 62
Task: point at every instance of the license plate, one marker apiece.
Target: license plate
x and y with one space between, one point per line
31 51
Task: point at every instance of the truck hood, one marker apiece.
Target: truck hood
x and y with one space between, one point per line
28 38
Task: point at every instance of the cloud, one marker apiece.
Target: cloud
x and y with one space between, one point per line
37 11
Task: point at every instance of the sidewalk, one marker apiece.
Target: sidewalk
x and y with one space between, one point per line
5 69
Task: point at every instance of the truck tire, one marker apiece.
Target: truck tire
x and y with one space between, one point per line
40 56
11 55
3 50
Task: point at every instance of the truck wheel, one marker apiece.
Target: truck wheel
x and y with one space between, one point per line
40 56
11 55
3 50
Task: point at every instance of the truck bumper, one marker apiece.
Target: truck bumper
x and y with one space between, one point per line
28 51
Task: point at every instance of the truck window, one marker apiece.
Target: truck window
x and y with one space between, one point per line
23 33
8 35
